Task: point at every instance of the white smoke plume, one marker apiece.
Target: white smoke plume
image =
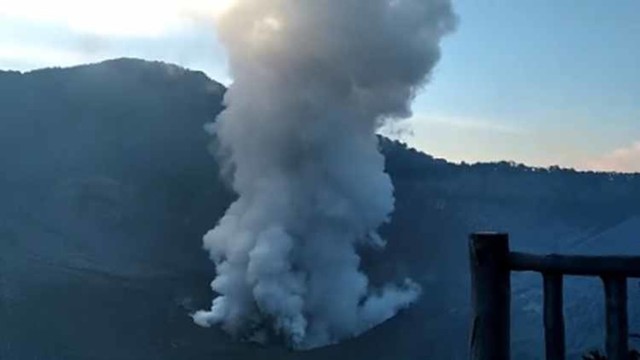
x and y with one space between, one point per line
313 81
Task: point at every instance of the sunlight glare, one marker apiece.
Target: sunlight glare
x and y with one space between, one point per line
140 18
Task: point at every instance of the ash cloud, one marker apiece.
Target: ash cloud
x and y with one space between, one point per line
313 81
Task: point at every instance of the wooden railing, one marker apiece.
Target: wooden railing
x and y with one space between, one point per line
491 265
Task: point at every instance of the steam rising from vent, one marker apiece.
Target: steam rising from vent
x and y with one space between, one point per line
313 81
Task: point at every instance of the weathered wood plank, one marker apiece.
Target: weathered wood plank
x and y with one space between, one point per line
617 336
491 296
554 330
627 266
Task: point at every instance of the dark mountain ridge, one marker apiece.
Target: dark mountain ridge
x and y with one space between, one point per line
107 188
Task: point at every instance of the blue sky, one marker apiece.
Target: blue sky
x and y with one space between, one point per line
537 81
542 82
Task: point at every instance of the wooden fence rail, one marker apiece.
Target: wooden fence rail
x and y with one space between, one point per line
491 265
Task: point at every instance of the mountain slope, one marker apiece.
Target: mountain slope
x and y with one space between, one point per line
108 188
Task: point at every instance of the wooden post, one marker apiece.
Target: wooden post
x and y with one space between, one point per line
617 338
491 296
554 317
